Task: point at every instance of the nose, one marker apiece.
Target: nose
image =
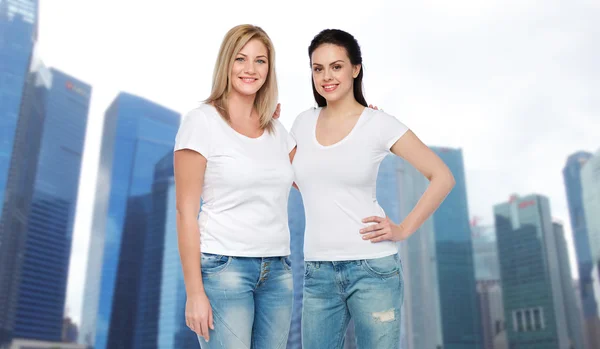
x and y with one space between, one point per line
249 68
326 74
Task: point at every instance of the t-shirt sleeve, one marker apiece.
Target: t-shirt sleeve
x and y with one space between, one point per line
391 129
295 130
194 133
287 139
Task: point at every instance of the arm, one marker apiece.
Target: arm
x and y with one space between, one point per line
441 182
292 154
189 177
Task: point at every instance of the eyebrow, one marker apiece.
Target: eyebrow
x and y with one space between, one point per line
338 61
261 56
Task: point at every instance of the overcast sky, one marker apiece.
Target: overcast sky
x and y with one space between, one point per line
515 84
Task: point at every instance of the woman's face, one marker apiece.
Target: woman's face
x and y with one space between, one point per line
332 72
250 68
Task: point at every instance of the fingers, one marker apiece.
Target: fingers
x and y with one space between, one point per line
204 327
200 326
383 237
374 219
211 323
377 232
372 228
277 111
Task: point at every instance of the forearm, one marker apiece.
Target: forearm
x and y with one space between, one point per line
188 236
434 195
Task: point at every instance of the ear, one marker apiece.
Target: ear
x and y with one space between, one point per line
356 70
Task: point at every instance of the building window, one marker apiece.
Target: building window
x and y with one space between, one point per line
520 321
528 324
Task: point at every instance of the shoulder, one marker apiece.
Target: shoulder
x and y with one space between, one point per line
306 116
204 114
278 126
379 117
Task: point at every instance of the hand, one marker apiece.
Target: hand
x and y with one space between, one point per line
374 107
198 315
277 111
383 230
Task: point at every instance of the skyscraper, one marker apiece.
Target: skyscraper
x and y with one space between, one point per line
18 22
454 253
40 200
573 316
47 248
489 287
590 186
18 31
530 272
160 317
137 134
581 238
422 320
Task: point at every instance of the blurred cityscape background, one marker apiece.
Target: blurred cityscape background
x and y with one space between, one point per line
521 279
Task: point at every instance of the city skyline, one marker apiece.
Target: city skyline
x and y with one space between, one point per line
445 99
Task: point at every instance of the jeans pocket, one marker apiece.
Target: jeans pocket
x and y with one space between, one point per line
287 263
308 268
384 267
213 264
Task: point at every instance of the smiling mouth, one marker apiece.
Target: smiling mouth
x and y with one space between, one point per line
248 80
329 88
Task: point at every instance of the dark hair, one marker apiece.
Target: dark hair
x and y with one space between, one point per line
348 42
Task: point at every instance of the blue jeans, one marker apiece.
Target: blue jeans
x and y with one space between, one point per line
370 291
251 300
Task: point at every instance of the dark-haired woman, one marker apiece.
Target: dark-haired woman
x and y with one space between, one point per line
352 267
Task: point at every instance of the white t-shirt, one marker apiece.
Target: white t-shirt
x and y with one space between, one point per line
246 185
337 183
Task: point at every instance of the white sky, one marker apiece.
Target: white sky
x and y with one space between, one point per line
512 83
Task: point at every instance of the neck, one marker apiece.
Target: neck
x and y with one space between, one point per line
240 106
344 107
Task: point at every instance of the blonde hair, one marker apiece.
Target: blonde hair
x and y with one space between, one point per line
266 98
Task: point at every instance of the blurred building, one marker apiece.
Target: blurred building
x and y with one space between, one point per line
489 286
530 270
39 202
454 256
160 317
573 314
422 317
581 237
18 32
70 331
590 187
137 134
47 248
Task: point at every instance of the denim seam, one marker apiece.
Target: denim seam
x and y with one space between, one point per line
343 331
216 313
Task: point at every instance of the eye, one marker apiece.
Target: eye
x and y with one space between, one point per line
240 59
337 67
317 69
261 61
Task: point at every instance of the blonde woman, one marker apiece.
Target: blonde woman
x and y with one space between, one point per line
232 153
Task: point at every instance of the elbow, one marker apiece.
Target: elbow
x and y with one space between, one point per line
444 179
451 181
185 213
